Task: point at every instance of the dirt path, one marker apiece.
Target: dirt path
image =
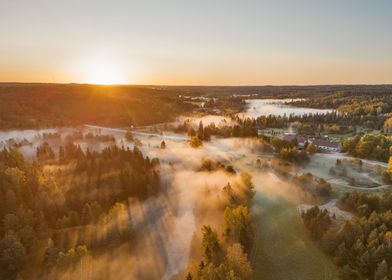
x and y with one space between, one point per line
342 183
330 207
346 156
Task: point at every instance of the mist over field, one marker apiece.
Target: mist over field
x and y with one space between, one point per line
196 140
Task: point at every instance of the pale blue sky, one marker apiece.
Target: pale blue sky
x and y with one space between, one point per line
196 42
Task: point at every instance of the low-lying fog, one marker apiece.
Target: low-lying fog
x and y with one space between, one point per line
265 107
167 223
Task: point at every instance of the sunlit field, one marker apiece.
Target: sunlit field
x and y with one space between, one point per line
283 249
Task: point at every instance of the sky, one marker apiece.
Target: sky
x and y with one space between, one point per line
182 42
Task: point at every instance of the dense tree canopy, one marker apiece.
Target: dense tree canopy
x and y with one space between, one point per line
53 105
362 246
226 256
369 146
85 188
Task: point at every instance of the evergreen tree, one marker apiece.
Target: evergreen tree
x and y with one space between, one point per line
381 272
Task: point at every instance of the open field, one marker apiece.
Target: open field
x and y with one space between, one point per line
283 249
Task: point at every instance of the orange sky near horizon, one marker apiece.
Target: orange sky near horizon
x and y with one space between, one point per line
196 43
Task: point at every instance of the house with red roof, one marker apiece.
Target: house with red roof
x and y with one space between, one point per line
321 144
327 145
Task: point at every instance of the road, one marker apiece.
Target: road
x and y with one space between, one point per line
177 138
346 156
340 182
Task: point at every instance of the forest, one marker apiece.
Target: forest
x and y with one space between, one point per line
64 190
49 105
368 146
309 125
282 91
25 106
224 255
362 246
358 101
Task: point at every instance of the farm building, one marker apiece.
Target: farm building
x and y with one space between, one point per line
321 144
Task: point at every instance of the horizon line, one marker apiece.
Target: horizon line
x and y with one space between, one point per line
201 85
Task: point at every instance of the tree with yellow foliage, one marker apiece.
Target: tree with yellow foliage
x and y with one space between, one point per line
388 125
311 149
387 174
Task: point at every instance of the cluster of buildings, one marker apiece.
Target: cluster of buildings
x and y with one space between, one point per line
320 143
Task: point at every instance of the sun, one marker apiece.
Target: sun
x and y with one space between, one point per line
104 76
103 71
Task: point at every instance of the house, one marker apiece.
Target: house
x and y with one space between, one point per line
289 137
326 145
321 144
301 140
